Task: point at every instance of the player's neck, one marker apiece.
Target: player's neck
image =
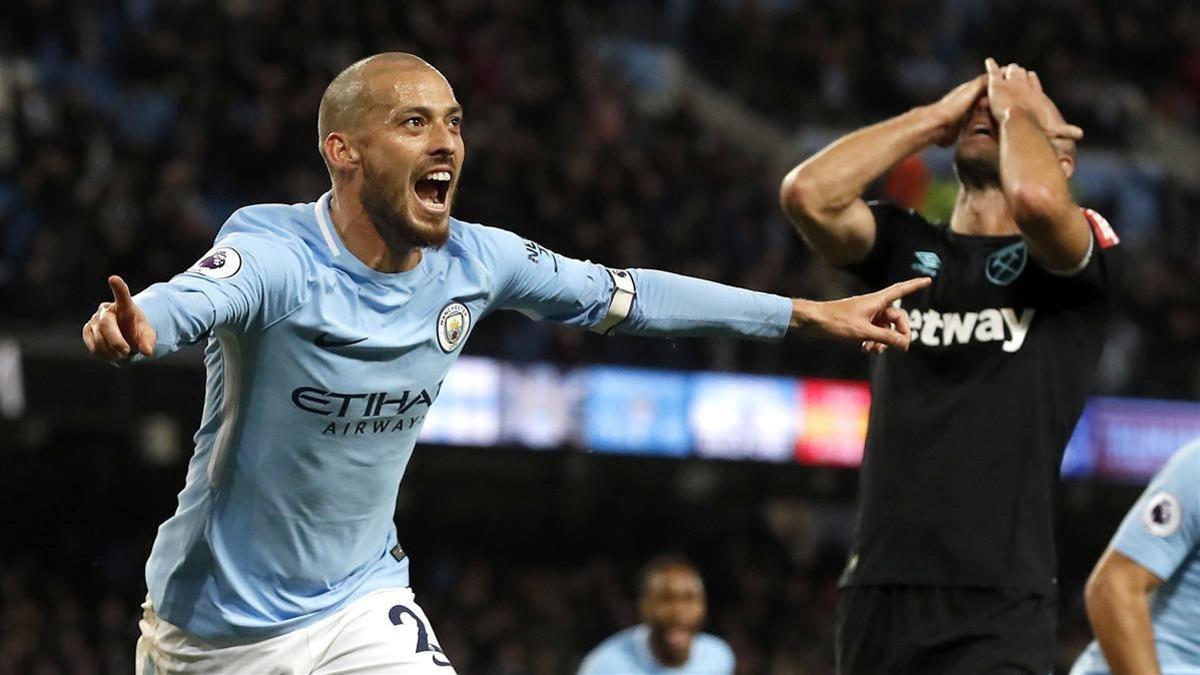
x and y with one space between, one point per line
982 212
365 241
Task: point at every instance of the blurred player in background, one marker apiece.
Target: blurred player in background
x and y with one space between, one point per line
953 566
1156 551
329 329
668 640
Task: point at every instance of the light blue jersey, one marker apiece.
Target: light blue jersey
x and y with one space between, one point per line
1162 534
320 372
628 653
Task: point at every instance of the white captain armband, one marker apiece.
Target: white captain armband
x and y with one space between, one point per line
624 292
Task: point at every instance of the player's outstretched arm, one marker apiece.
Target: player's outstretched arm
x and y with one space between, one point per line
1119 610
869 318
823 195
1033 171
118 328
646 302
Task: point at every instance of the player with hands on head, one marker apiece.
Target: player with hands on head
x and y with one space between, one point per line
952 566
329 328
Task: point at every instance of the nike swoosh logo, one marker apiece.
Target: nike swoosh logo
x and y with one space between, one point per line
323 340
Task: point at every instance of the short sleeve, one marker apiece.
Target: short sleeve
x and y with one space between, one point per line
1164 525
1094 276
893 226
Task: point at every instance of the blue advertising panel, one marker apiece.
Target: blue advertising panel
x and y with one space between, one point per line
1131 438
636 411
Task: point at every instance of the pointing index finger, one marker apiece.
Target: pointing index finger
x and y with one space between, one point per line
120 291
899 290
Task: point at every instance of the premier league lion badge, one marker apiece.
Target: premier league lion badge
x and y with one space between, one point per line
452 326
220 263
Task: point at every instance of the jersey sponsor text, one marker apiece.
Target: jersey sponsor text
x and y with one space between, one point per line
939 329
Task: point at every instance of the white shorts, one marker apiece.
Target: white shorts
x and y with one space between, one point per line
381 632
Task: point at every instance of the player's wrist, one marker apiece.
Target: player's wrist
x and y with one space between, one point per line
805 315
1017 112
934 123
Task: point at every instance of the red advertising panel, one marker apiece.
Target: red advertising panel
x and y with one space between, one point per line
832 424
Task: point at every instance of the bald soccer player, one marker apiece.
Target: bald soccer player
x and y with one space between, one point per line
668 640
328 330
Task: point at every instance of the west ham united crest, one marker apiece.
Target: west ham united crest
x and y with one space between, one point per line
1004 266
452 326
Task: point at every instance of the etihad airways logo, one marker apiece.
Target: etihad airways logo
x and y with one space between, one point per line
939 329
366 412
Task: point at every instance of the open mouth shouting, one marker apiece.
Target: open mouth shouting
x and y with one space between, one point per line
432 190
980 125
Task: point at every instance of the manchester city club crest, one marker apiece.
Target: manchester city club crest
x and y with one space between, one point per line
1004 266
219 263
452 326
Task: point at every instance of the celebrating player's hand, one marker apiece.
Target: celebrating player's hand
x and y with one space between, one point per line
954 107
1013 87
870 317
118 326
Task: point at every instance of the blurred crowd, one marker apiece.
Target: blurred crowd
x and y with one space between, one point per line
522 561
130 130
492 617
519 574
522 611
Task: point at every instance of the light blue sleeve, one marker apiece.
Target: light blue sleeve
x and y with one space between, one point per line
1164 525
674 305
246 282
545 285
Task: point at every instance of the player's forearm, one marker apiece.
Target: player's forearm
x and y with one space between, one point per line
672 305
1030 175
831 180
1120 617
180 315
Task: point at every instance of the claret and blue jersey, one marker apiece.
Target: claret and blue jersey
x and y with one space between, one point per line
320 372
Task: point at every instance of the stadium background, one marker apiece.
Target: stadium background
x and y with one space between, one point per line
648 134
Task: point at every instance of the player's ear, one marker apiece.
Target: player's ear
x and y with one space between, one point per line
1067 163
340 151
1064 149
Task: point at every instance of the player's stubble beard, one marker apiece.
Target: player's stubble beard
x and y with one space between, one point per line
977 169
385 201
